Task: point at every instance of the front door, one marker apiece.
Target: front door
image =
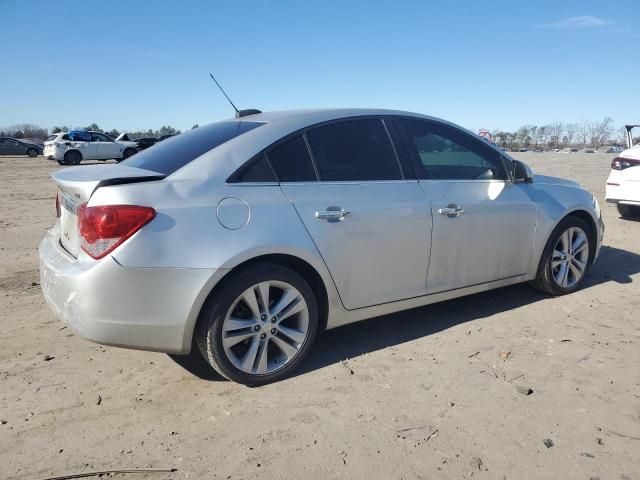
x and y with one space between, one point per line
371 225
483 224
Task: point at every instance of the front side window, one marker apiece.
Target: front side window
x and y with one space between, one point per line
354 150
98 137
442 152
292 162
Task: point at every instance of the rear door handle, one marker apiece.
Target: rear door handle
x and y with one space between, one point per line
335 214
452 210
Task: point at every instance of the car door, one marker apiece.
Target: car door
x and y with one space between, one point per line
483 224
105 148
371 225
3 146
14 148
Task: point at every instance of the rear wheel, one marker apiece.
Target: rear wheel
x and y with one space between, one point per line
128 152
627 211
72 158
32 152
566 258
259 326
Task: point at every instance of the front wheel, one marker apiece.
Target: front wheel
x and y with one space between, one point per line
259 326
628 211
566 258
32 152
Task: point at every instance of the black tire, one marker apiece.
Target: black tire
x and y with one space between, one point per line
209 328
545 281
32 152
628 211
128 152
73 157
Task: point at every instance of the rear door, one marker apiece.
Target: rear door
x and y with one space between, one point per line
371 224
483 224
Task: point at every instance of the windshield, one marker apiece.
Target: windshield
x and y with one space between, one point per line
174 153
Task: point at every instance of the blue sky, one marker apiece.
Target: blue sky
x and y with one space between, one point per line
496 64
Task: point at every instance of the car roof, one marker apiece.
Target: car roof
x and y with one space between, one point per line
319 115
226 158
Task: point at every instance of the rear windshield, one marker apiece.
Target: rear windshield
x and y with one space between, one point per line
173 153
50 138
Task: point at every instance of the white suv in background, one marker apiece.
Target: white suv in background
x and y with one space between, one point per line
70 148
623 184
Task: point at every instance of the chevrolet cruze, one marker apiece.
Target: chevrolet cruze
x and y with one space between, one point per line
248 237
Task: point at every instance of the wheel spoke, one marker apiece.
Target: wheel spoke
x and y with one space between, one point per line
578 242
579 264
262 291
262 356
566 240
296 306
295 335
562 275
232 323
249 359
249 297
577 273
288 296
284 347
231 339
581 247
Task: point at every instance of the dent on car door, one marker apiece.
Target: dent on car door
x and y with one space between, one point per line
483 224
371 226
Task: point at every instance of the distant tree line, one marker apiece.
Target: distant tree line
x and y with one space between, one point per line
561 135
28 130
553 135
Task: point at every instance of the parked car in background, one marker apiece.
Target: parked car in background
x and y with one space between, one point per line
145 142
13 146
623 184
73 147
249 236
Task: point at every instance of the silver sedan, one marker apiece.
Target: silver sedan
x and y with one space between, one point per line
247 237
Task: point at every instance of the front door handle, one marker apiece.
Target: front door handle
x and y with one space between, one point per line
452 210
333 214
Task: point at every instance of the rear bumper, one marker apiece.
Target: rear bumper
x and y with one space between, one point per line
102 301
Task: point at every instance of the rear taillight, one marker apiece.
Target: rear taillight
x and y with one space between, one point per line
101 229
58 205
620 163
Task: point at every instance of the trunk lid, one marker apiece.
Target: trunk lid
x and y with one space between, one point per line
76 185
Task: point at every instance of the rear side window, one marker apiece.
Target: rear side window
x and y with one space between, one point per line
174 153
442 152
256 170
292 161
354 150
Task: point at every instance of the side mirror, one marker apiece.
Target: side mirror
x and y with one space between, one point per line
521 172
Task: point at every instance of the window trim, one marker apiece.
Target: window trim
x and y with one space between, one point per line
234 178
409 171
419 168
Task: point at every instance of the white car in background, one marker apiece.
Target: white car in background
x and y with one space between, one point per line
623 184
70 148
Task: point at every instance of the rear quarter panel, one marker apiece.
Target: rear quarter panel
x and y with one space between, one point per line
186 232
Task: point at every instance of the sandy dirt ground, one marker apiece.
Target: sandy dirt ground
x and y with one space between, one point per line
428 393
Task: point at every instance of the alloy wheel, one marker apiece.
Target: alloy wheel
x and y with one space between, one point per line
570 257
265 327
